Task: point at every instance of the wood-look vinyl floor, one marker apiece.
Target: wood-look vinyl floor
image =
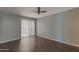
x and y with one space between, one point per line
36 44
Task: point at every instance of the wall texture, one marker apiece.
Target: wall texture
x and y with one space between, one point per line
10 27
63 27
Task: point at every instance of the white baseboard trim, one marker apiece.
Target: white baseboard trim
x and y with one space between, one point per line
58 41
10 40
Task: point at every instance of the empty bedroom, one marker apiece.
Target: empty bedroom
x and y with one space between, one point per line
39 29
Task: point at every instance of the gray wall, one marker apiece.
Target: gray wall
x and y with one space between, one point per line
47 26
59 27
10 27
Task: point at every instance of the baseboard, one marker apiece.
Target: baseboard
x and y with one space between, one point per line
10 40
59 41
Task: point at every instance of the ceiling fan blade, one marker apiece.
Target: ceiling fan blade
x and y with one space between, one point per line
40 11
43 11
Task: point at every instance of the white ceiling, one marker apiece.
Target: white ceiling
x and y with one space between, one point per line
28 11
